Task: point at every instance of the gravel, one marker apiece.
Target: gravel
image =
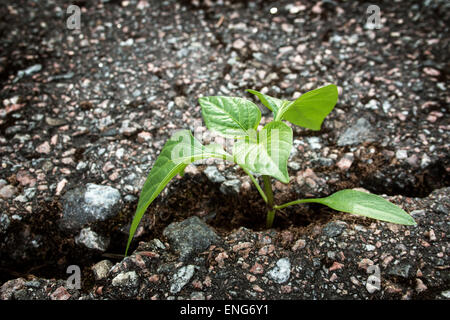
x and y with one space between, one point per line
190 237
90 204
101 269
92 240
181 278
280 274
358 133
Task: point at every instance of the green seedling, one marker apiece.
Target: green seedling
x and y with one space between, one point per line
264 152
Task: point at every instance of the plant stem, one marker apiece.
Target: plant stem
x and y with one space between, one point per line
297 202
269 194
261 192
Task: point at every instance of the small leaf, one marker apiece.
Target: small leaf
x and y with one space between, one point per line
311 108
366 204
180 150
273 104
267 151
230 116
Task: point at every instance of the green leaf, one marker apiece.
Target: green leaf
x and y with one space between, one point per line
266 152
311 108
273 104
180 150
366 204
230 116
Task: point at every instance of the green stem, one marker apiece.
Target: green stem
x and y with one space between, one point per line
269 194
297 202
261 192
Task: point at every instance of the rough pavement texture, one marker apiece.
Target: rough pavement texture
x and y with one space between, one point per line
330 262
96 106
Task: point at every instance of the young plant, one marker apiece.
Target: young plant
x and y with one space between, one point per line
264 152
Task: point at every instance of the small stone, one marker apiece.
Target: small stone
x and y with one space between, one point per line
92 240
214 175
44 148
401 154
55 122
420 287
257 268
431 72
7 192
360 132
372 104
365 263
370 247
89 204
286 27
220 257
334 229
144 137
299 244
314 143
190 236
238 44
181 278
432 235
231 187
29 71
336 266
101 269
197 295
8 288
294 165
60 294
126 279
346 161
280 274
401 270
386 106
446 294
4 223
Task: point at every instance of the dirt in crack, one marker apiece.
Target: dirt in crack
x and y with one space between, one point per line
196 195
36 247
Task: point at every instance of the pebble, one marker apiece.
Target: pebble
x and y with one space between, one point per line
238 44
60 294
360 132
280 274
446 294
181 278
231 187
101 269
126 279
401 154
372 105
190 236
92 240
89 204
29 71
44 148
213 174
7 192
402 270
334 229
346 161
4 223
314 143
